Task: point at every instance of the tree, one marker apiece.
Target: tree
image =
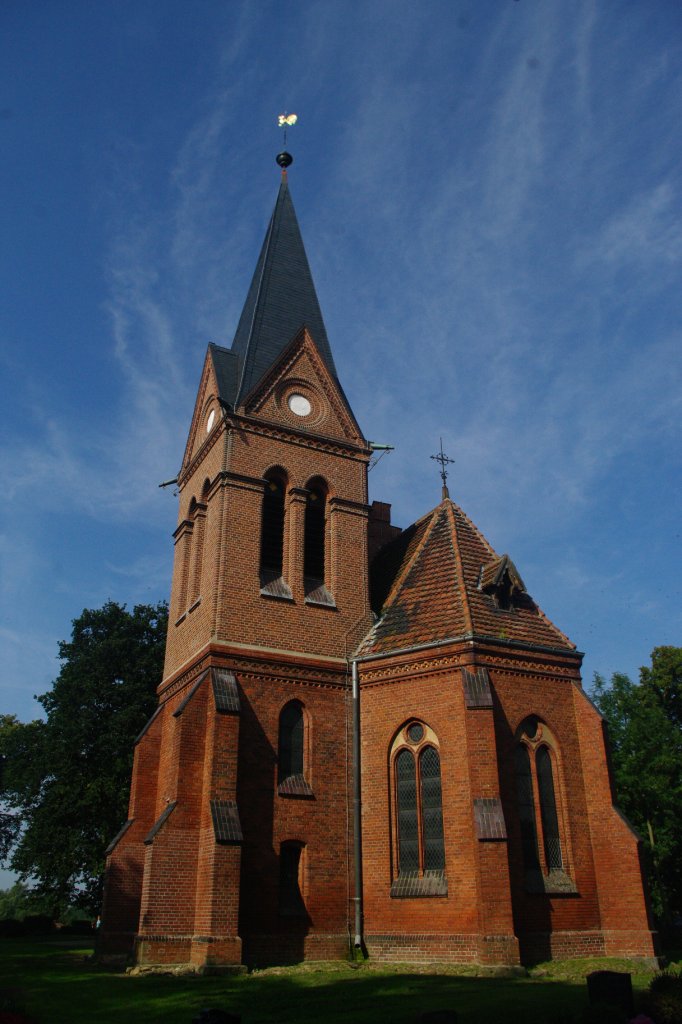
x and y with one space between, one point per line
20 902
65 780
645 734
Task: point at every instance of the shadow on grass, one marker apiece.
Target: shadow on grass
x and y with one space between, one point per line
60 985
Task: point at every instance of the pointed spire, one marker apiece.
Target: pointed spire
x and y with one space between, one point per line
281 299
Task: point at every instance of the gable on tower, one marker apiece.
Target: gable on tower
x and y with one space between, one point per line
217 391
299 391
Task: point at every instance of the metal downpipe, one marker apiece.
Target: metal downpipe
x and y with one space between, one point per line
357 810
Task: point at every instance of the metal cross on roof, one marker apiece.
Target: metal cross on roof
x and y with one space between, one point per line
443 459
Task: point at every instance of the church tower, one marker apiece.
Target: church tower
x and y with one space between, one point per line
239 786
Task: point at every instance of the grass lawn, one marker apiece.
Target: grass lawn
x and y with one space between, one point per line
54 982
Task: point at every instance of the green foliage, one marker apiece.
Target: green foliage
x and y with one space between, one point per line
20 902
645 733
65 780
664 679
56 980
664 998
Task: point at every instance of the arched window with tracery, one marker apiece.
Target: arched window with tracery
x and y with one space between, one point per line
419 860
548 812
544 839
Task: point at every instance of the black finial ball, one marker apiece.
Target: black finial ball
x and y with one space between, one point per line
284 160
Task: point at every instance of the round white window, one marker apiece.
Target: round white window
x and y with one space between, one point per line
210 421
299 404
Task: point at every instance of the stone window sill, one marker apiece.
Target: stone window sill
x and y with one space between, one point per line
412 884
317 594
295 786
275 586
556 883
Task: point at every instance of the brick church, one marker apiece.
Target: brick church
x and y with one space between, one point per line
365 736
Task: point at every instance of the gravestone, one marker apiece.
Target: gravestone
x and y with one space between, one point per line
612 987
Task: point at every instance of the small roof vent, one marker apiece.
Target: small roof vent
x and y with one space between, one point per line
501 580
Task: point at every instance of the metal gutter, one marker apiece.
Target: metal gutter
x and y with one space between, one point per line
472 638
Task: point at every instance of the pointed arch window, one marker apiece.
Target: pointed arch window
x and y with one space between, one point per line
199 520
189 548
419 862
315 537
292 752
544 841
548 814
272 535
315 527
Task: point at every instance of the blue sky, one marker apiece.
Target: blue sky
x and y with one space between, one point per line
489 193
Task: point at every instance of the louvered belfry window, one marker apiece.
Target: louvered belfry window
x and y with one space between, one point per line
550 822
313 548
272 527
418 802
291 737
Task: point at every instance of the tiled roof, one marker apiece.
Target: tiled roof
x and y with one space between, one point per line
225 690
226 369
226 824
489 819
426 586
281 300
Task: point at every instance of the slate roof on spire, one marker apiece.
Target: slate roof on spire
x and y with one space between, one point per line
280 301
427 587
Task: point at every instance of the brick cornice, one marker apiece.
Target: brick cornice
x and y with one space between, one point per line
258 662
358 508
242 480
267 428
432 659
